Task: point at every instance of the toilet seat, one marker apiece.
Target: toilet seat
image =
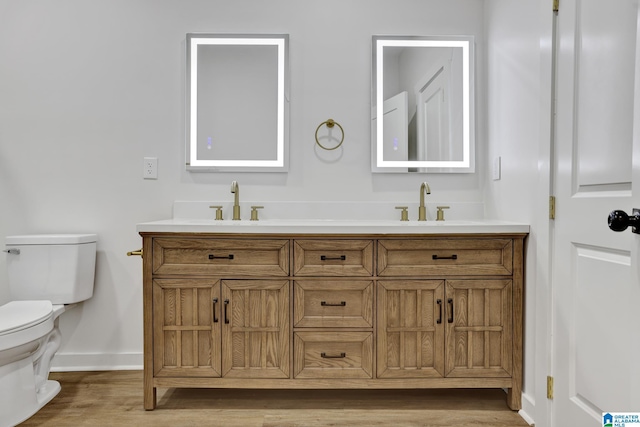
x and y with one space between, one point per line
22 322
19 315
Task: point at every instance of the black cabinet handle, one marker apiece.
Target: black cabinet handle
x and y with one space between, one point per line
324 356
215 319
439 302
230 256
327 304
226 318
450 302
436 257
326 258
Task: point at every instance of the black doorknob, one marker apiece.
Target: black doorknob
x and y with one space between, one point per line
619 221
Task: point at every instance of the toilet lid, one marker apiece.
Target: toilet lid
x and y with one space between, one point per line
18 315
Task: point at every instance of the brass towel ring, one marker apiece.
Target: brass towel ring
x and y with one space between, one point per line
330 123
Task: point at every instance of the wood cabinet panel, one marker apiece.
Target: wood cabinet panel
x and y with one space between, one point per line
255 335
333 303
186 338
220 257
333 257
333 354
479 340
411 329
445 257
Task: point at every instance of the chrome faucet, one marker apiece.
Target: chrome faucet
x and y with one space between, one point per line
236 200
422 210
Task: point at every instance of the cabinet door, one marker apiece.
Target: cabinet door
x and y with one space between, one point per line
255 333
479 328
186 328
410 342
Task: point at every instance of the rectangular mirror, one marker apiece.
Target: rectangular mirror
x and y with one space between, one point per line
237 102
423 89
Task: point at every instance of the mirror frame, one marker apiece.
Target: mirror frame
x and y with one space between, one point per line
467 164
280 164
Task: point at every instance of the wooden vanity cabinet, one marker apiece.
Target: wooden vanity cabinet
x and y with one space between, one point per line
333 311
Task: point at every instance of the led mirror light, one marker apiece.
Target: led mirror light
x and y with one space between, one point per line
249 106
429 90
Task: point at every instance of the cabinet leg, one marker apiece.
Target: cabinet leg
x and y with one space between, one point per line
514 399
149 398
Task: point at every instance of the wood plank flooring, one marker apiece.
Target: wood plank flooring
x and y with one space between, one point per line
114 398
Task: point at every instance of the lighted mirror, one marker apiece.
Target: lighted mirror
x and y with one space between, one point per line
237 106
422 88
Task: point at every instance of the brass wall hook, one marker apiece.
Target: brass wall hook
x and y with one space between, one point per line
330 124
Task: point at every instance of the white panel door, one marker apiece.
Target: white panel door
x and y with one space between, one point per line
596 289
432 106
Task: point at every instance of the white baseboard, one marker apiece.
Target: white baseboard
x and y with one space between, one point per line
528 409
97 362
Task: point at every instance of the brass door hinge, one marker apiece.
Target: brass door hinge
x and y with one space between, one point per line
556 5
549 387
552 207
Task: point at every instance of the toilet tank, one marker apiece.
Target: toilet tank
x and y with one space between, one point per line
55 267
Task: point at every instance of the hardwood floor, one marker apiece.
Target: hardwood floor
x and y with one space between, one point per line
114 398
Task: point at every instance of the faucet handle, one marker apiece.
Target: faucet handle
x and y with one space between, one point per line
440 213
404 215
254 212
218 212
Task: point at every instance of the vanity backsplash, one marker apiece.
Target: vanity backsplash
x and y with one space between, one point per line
376 211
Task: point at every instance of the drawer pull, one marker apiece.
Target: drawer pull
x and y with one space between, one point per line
215 319
226 318
450 302
324 356
439 302
230 256
328 304
454 256
326 258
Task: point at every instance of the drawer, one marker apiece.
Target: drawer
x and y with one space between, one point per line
333 257
451 257
333 303
333 354
220 257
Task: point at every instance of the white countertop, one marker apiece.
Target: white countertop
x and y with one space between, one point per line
317 226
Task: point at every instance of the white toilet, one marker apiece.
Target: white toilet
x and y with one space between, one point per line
47 274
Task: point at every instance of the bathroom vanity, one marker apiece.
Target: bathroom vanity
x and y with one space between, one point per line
332 305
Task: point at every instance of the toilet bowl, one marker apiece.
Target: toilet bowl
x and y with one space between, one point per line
48 274
26 330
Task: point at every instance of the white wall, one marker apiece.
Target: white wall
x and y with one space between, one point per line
89 88
518 37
